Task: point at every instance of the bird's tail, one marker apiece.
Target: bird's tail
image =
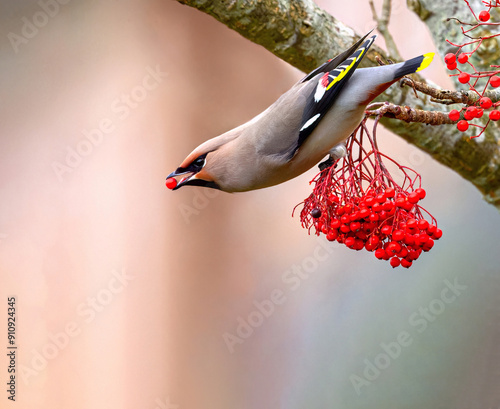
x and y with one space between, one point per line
414 65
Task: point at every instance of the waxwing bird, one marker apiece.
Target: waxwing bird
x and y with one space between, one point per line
307 122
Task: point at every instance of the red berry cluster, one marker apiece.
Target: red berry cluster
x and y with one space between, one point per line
356 202
452 61
379 220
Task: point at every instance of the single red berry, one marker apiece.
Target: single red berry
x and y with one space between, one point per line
400 202
413 255
450 58
370 201
377 207
411 224
369 227
484 16
345 219
390 192
462 125
463 78
345 228
361 235
349 242
374 217
380 198
408 206
495 81
393 247
358 244
437 234
388 206
423 224
428 245
395 262
406 263
332 235
386 230
454 115
373 241
369 247
431 229
485 102
171 183
413 197
495 115
403 253
422 238
452 66
354 216
335 224
479 113
470 113
364 213
398 235
348 208
333 199
463 58
355 226
380 254
421 193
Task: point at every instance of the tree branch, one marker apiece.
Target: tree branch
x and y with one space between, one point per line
301 33
409 114
383 27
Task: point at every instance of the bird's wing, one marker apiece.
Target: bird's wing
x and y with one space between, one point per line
327 88
335 61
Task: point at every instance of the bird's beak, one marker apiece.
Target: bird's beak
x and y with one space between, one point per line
193 178
180 172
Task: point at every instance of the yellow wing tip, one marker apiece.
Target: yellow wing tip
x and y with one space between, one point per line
426 61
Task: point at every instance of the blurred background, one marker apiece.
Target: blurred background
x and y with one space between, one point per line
129 295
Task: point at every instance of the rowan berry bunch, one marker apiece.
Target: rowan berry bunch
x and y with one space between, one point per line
358 203
478 82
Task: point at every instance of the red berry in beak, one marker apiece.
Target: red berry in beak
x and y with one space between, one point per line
171 183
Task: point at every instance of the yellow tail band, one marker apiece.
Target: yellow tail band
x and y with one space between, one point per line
426 61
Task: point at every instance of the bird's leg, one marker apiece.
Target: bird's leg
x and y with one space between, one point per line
337 152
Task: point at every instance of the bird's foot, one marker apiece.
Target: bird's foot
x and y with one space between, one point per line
326 164
336 153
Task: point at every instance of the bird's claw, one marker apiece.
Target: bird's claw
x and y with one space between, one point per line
326 164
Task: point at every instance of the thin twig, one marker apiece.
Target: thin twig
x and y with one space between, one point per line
383 27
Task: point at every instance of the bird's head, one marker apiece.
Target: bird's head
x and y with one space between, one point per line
194 171
206 165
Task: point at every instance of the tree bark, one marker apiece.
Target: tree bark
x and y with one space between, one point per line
304 35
